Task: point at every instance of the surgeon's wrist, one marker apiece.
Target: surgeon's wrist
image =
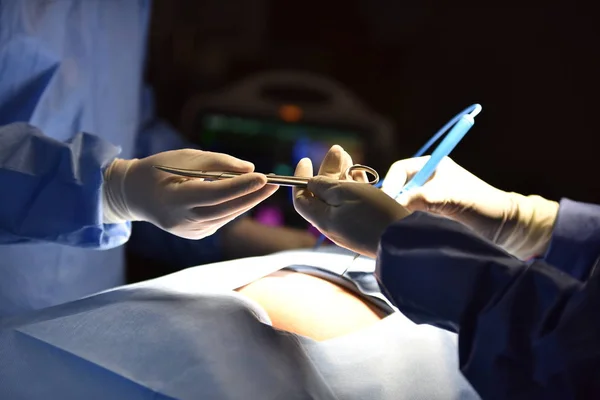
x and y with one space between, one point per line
532 234
114 202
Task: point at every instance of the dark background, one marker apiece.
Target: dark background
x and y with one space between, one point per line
534 70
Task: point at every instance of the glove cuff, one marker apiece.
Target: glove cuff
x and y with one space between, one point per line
535 217
114 204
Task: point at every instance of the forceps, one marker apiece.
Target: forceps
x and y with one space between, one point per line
292 181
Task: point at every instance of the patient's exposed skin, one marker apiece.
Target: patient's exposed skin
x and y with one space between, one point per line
310 306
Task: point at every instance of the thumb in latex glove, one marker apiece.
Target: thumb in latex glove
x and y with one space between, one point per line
349 212
191 208
522 225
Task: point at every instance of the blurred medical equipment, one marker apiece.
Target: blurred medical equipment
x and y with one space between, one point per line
274 119
289 181
189 335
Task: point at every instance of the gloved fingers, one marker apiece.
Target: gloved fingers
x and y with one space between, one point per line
209 161
304 169
330 191
200 193
414 200
334 164
311 209
306 204
234 206
394 181
408 167
359 176
434 202
218 223
400 173
345 163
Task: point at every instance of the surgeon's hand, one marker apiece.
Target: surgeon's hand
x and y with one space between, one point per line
522 225
188 207
351 213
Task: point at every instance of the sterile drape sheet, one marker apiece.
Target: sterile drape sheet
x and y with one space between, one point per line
189 336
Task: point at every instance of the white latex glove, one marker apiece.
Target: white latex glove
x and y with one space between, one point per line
191 208
352 214
522 225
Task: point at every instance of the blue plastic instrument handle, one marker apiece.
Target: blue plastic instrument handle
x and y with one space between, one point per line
463 122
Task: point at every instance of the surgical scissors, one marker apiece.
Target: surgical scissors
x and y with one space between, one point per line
292 181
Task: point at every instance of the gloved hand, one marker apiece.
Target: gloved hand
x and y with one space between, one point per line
522 225
191 208
352 214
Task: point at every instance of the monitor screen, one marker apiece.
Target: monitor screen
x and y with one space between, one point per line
275 146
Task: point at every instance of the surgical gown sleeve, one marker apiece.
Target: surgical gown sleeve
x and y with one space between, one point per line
51 191
575 244
526 330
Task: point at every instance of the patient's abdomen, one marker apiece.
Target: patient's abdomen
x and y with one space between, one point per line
310 306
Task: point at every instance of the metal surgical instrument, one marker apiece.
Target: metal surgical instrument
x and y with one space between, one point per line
292 181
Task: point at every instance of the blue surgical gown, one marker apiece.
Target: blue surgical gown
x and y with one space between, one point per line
71 99
527 330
